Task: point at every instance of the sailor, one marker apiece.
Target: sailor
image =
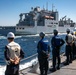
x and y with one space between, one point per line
43 50
13 54
68 48
75 33
73 45
56 43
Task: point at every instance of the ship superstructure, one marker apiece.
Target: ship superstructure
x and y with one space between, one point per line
65 23
46 21
37 21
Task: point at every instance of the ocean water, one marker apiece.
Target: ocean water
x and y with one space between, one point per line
29 46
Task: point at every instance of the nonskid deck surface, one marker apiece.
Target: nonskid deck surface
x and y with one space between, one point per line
64 70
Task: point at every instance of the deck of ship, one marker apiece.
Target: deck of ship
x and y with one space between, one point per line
64 70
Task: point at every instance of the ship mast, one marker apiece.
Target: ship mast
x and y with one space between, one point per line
53 7
47 6
43 7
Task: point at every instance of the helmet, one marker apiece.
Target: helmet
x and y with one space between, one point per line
67 30
72 32
10 35
42 34
75 33
55 31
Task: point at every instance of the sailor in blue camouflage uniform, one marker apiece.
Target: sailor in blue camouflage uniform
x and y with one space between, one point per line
43 50
56 43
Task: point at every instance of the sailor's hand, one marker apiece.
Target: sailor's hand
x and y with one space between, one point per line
57 47
71 44
11 60
17 60
48 55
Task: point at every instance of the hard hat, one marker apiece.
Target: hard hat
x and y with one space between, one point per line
72 32
10 35
67 30
42 34
55 31
75 33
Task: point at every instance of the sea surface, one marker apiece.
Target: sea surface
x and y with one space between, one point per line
29 45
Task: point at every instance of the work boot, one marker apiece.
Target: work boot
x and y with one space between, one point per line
66 63
53 69
58 67
70 61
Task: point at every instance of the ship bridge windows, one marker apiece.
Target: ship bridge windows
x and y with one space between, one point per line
55 23
16 28
20 28
51 22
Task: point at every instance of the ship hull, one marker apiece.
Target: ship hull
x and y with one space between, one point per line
45 29
34 29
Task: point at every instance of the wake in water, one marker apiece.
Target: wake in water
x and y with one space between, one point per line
25 63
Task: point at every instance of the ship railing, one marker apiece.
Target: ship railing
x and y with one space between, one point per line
35 55
29 59
33 68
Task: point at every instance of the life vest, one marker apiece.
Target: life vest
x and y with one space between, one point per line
13 50
70 38
75 40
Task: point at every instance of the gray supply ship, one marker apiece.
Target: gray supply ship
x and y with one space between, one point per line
46 21
39 20
5 29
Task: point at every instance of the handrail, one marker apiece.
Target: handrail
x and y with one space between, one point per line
29 57
35 55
